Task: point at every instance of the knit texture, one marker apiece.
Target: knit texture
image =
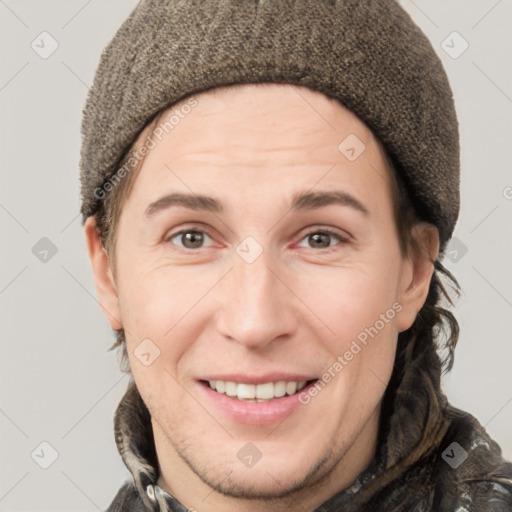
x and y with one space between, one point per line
367 54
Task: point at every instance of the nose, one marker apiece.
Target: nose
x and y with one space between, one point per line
257 306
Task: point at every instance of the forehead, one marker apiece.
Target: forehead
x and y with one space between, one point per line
272 108
260 134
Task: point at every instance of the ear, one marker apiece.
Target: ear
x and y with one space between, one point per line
103 278
417 271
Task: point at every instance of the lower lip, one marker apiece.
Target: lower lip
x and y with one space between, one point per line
254 413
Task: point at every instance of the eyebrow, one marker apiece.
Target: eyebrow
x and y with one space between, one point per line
300 201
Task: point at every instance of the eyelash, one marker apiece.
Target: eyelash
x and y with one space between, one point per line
324 231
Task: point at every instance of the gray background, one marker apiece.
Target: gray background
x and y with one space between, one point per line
59 384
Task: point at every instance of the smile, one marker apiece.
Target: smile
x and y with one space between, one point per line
257 392
264 401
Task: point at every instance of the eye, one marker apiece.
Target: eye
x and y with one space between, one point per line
321 239
189 238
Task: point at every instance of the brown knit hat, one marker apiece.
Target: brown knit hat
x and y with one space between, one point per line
368 54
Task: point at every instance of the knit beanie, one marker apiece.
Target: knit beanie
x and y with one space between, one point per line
367 54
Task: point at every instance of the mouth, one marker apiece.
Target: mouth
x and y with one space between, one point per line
264 392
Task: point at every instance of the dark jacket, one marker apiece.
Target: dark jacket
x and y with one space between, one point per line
430 456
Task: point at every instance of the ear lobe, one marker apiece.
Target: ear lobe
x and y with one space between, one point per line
417 274
103 279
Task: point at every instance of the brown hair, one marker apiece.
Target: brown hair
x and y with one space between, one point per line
433 320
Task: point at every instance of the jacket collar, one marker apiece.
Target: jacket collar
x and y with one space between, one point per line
411 427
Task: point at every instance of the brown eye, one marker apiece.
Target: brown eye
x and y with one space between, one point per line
319 240
189 238
192 239
322 239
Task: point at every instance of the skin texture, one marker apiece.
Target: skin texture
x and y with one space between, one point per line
296 308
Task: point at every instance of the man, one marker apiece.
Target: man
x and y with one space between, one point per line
268 189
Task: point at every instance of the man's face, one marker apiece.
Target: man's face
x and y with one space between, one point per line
262 291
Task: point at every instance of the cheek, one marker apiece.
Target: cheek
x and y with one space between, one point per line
350 300
358 304
155 313
362 351
163 304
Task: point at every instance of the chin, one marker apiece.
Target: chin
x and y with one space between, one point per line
266 479
261 485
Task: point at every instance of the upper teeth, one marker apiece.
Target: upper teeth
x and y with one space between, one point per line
256 392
